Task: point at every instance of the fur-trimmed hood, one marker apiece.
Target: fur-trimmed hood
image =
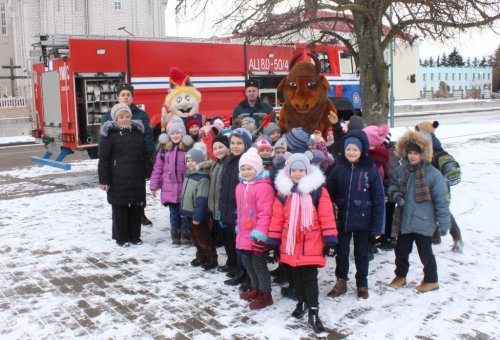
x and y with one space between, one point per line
308 184
110 125
417 138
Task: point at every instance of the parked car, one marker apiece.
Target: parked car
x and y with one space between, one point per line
495 95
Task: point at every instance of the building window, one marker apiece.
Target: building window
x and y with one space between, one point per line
446 76
453 76
439 76
460 76
118 5
466 76
488 76
3 18
473 76
423 77
432 76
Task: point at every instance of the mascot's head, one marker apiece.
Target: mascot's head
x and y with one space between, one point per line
304 88
183 98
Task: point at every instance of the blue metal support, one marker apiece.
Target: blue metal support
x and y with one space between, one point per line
45 159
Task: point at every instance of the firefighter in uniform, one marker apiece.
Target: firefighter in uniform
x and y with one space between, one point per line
252 106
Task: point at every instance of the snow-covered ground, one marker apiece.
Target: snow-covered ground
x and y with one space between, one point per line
61 275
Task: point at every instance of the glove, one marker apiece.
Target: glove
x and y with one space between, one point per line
259 247
273 255
400 201
330 250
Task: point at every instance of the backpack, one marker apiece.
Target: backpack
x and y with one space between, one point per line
448 166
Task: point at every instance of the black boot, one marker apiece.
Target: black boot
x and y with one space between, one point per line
300 309
237 279
315 323
146 221
289 292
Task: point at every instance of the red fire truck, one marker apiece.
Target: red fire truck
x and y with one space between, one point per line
74 82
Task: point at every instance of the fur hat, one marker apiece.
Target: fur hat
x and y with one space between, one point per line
221 139
297 140
196 154
117 108
243 134
272 127
298 161
252 158
123 87
376 134
252 83
356 123
190 122
417 138
280 143
427 126
263 144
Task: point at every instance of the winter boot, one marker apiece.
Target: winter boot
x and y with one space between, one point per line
300 308
315 323
176 237
263 299
289 292
363 292
250 295
210 264
146 221
237 279
425 287
339 289
397 282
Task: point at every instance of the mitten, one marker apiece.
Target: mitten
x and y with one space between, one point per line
273 255
330 250
259 247
444 232
400 201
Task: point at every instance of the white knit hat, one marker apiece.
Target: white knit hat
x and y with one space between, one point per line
116 109
252 158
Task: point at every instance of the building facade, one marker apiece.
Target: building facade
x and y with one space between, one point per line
6 47
30 18
458 82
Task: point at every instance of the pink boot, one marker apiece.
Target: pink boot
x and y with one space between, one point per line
264 299
250 295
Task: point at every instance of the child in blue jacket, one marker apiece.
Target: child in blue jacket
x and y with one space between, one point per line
356 188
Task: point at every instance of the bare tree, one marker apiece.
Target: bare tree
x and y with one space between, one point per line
373 24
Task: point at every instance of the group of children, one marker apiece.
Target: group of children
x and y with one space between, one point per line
284 197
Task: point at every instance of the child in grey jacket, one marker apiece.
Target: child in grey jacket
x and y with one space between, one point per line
422 199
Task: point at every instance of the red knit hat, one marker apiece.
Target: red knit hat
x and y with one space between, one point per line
190 122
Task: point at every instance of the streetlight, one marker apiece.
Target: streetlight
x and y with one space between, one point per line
124 28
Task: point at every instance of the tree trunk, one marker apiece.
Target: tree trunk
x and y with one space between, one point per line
373 70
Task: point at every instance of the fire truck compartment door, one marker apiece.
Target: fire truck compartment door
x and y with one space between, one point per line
51 98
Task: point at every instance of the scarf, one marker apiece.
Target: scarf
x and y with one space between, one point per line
421 191
305 204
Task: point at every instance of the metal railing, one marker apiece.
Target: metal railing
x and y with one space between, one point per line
9 102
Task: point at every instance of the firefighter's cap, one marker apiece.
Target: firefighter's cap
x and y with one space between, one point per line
124 86
252 83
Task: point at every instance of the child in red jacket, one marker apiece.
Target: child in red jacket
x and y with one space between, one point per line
303 226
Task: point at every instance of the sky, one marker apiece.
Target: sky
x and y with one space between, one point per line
472 43
48 231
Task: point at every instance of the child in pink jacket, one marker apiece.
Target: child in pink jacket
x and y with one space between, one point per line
254 202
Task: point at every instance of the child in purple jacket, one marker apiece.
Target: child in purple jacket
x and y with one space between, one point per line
168 174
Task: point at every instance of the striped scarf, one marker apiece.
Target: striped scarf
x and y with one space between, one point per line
421 191
304 204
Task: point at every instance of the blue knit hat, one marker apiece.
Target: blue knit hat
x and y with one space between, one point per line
355 141
243 134
297 140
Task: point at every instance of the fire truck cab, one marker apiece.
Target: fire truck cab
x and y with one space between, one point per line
75 79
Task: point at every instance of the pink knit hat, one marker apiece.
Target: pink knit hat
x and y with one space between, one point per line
376 134
252 158
263 144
